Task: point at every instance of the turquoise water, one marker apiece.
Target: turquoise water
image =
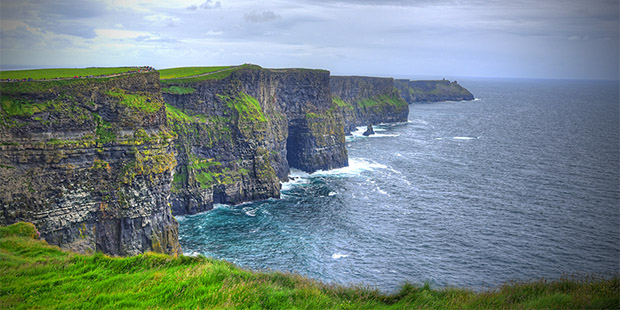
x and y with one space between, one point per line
520 184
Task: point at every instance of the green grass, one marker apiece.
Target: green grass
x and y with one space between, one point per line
383 100
35 275
214 76
187 71
38 74
247 107
21 107
341 103
136 101
180 117
178 90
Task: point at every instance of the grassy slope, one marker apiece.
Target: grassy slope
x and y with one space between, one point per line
187 71
36 275
166 77
61 73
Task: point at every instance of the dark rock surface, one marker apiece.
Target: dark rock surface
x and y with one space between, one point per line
243 133
432 91
368 100
369 131
90 169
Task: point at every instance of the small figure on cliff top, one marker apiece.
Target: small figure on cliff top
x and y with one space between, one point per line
369 131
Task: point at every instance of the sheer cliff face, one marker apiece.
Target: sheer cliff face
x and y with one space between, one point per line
432 91
238 136
89 162
368 100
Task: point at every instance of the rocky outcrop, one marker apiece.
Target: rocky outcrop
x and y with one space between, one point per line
432 91
369 131
89 162
367 100
239 135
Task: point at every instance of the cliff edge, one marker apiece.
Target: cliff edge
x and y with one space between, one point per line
239 133
90 162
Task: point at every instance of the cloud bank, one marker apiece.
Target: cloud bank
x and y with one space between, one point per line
520 38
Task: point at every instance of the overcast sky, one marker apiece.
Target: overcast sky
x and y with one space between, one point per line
494 38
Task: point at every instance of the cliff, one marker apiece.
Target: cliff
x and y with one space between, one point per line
90 162
101 164
240 132
432 91
367 100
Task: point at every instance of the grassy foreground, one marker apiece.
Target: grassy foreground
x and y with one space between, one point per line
36 275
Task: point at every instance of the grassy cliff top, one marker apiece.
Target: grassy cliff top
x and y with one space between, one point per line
38 74
195 74
187 71
34 274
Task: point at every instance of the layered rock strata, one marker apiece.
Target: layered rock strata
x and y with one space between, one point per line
89 162
368 101
239 135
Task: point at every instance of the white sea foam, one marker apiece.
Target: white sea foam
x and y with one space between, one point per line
356 166
331 194
190 253
339 255
382 135
464 138
381 191
296 177
249 211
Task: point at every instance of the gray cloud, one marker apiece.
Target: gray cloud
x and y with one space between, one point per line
265 16
55 16
527 38
207 5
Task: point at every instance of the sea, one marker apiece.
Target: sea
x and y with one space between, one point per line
520 184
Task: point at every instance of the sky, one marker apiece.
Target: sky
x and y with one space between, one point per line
567 39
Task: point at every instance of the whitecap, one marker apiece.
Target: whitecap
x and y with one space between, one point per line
381 191
383 135
464 138
296 177
398 154
339 255
356 166
331 194
249 211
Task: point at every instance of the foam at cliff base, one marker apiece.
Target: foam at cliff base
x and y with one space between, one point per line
296 177
359 133
356 167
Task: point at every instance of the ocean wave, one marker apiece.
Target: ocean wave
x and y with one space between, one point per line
359 133
356 166
296 177
339 255
464 138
